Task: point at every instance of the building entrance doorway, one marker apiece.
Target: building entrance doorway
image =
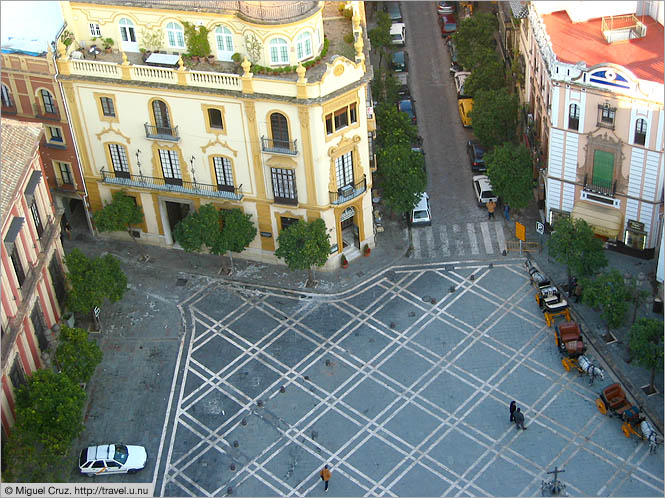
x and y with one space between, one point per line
175 212
350 233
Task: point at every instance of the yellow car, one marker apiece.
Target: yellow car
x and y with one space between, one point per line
464 106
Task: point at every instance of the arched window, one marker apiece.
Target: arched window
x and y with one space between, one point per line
574 117
47 100
304 45
279 51
127 30
175 35
6 98
279 128
640 131
162 119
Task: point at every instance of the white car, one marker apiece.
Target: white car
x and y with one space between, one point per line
483 190
421 214
112 459
398 33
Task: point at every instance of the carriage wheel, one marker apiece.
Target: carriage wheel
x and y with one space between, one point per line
625 428
556 338
566 364
548 319
567 314
600 404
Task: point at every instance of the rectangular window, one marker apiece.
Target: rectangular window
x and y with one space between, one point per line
224 173
640 132
119 161
215 119
574 117
47 99
56 134
344 170
284 185
66 174
58 279
40 328
603 168
606 115
107 107
16 374
36 218
94 29
341 118
286 221
18 266
170 167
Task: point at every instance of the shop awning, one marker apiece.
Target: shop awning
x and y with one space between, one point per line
605 221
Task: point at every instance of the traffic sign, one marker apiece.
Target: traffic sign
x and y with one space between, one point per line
96 311
520 231
540 228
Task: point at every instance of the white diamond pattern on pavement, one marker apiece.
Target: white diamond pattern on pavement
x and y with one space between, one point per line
400 394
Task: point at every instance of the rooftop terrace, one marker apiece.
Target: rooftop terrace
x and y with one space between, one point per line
584 41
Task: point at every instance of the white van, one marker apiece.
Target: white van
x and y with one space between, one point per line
398 33
421 214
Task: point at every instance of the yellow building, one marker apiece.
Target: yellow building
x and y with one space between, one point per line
270 136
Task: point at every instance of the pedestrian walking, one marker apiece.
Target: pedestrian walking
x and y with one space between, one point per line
578 293
325 477
491 206
513 407
519 419
506 211
68 230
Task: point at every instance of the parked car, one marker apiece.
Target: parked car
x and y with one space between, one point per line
483 190
400 61
448 25
452 48
402 85
421 214
459 78
112 459
445 7
398 33
406 106
393 10
464 106
476 154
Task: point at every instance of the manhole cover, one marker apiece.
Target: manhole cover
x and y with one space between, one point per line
181 282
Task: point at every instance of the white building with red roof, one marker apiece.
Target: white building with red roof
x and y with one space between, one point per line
593 90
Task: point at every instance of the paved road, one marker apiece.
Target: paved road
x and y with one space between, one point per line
400 396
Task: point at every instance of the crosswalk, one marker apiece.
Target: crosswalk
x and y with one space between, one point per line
458 239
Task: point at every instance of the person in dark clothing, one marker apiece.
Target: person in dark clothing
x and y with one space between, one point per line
513 407
519 419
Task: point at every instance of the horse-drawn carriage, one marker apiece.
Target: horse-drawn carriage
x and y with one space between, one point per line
548 297
613 399
568 338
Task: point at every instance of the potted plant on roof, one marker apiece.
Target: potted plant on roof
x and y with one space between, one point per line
196 38
345 262
151 41
366 250
108 44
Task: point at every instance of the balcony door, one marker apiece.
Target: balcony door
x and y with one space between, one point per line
170 167
128 36
162 119
279 129
344 170
224 41
119 161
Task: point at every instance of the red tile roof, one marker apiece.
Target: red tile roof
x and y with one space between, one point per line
585 42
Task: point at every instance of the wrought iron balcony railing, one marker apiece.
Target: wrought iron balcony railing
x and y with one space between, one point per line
173 185
348 192
607 189
162 132
280 146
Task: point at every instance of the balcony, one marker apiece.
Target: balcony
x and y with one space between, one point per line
161 133
67 187
604 193
170 185
279 146
348 192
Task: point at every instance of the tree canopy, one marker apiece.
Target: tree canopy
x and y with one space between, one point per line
494 117
238 231
303 245
573 243
50 406
646 344
402 177
119 215
395 127
609 293
509 169
473 34
380 35
76 355
487 74
93 281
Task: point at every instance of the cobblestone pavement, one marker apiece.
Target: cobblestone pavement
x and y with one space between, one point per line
401 384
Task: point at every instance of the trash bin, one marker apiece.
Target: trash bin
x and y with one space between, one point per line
658 305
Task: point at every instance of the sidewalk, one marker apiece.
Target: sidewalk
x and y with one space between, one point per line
615 354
